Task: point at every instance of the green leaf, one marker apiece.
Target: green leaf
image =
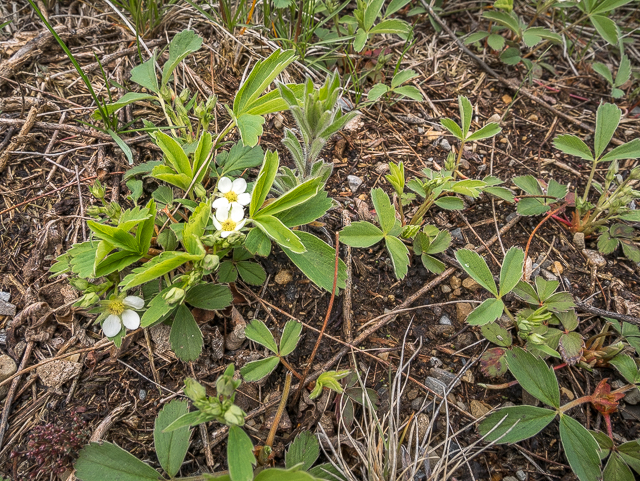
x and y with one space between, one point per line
528 421
277 474
496 42
318 261
256 370
452 127
432 264
399 256
580 448
402 77
183 44
304 449
262 74
603 70
497 334
185 337
190 419
476 37
307 212
534 376
511 56
391 26
627 367
630 452
409 91
174 154
145 75
194 229
466 111
630 150
359 40
570 347
211 297
146 229
157 267
157 310
505 20
485 132
252 273
606 28
100 461
377 91
277 231
511 271
202 156
529 184
115 236
476 267
264 181
258 332
624 71
607 120
530 206
122 144
572 145
296 196
608 5
385 211
171 448
361 234
240 157
392 8
617 470
250 127
144 168
560 301
116 262
240 455
487 312
126 99
450 203
258 243
371 13
290 337
326 471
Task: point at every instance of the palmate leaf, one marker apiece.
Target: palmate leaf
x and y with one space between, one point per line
511 271
296 196
240 455
256 370
534 376
630 452
115 236
486 132
477 268
157 310
240 157
304 449
258 332
515 424
580 448
487 312
185 337
171 447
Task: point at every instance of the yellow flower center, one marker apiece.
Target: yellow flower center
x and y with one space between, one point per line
231 196
228 225
116 307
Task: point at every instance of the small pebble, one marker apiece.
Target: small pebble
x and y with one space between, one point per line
284 277
521 475
495 119
5 296
354 182
578 240
511 216
142 394
457 233
444 143
445 321
445 289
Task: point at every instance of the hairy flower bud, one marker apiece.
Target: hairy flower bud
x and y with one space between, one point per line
174 295
234 416
211 262
194 390
97 190
199 190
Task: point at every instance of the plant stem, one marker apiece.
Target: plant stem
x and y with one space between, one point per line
455 171
283 404
588 187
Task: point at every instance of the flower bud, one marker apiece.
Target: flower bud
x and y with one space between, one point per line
635 174
94 210
234 416
226 385
194 390
184 95
199 190
97 190
174 295
211 262
450 163
80 284
88 300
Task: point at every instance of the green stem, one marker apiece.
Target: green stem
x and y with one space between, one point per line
455 173
422 210
588 187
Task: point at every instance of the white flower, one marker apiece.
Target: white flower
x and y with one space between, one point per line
229 220
119 315
231 193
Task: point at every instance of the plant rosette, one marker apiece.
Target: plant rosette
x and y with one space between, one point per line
121 311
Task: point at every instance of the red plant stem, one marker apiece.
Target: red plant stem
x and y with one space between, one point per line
513 383
547 217
296 398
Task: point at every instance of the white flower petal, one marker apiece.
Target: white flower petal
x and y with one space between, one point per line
221 203
240 224
134 302
111 326
130 319
237 212
222 214
216 224
225 185
239 185
244 199
225 233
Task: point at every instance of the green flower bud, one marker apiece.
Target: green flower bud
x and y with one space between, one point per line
184 95
450 163
174 295
211 262
613 170
635 174
80 284
226 385
234 416
94 210
194 390
199 190
97 190
89 299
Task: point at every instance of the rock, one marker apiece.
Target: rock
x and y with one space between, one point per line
142 394
435 385
382 168
510 478
557 268
435 362
354 182
594 258
444 331
160 335
445 289
548 275
443 376
471 284
284 277
56 373
494 119
411 395
5 296
355 123
7 309
8 368
479 409
445 321
468 377
463 309
578 240
632 397
444 143
507 99
521 475
505 322
416 404
422 421
511 216
454 282
457 233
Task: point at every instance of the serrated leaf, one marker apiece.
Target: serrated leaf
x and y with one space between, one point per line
157 309
497 334
361 234
432 264
399 256
531 206
487 312
560 301
296 196
485 132
304 449
385 211
409 91
496 42
290 337
157 267
511 56
603 70
171 447
264 181
258 332
630 150
493 362
627 367
474 265
607 120
572 145
617 470
250 127
630 452
185 337
580 448
100 461
377 91
534 376
240 455
511 271
606 243
252 273
256 370
371 12
183 44
452 127
211 297
528 421
359 40
450 203
402 77
391 26
281 234
624 71
174 154
114 236
570 347
529 184
606 28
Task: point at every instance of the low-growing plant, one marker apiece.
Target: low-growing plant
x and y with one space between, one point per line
622 76
397 89
146 15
